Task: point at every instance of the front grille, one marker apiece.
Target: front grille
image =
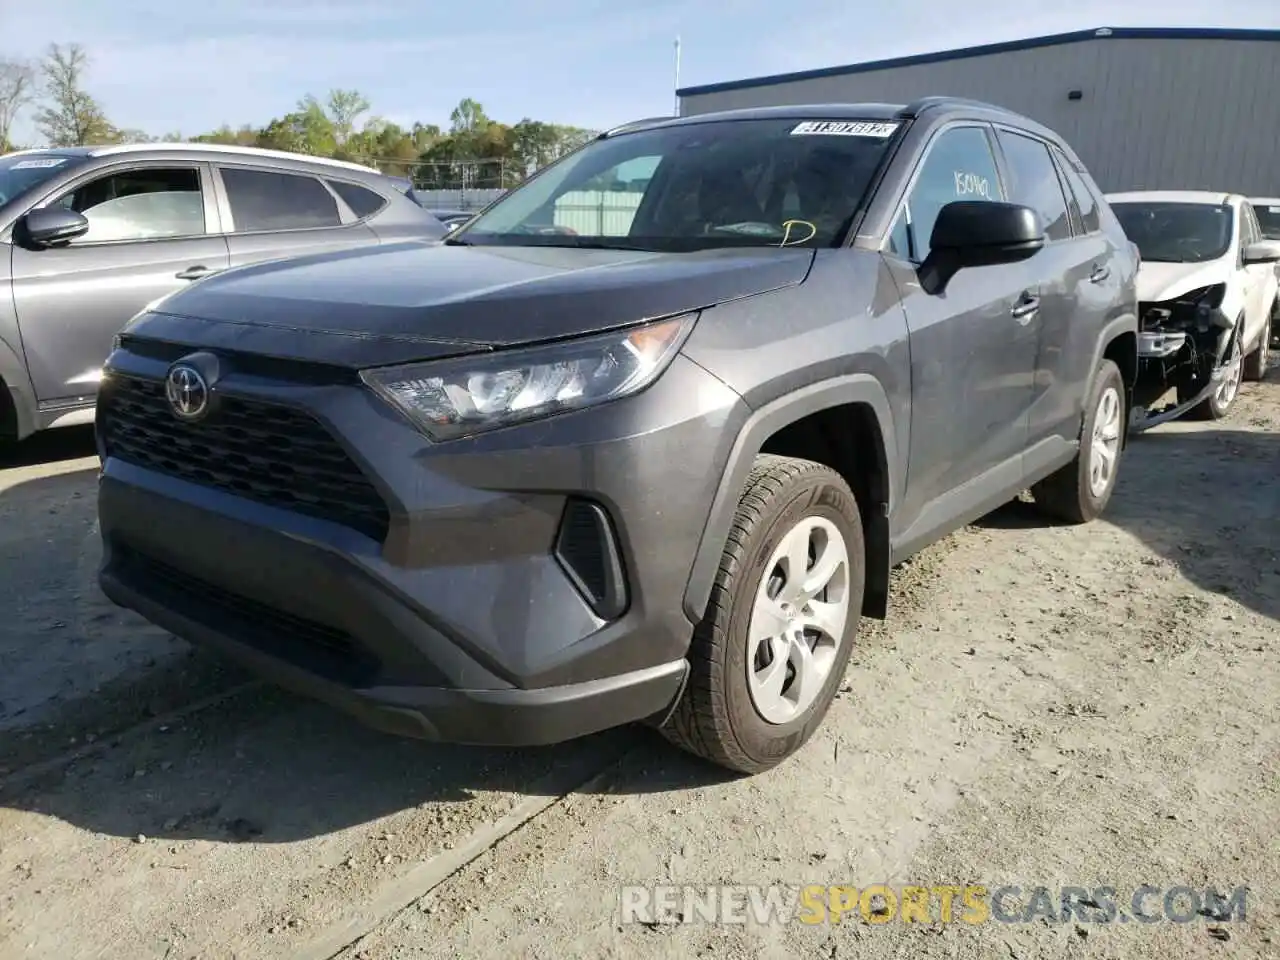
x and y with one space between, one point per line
264 452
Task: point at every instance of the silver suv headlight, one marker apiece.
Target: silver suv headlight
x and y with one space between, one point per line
450 399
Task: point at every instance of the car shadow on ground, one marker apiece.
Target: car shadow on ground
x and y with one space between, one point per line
1201 499
49 446
106 737
261 765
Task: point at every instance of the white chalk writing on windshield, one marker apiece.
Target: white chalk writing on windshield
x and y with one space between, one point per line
971 183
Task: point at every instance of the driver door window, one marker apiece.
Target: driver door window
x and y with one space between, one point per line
1248 225
144 204
958 166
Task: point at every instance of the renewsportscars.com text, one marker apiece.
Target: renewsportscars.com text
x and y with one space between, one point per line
943 903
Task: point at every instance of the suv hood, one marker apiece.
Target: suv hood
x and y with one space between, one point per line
405 302
1158 282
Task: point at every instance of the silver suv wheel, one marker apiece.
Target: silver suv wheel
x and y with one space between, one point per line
798 620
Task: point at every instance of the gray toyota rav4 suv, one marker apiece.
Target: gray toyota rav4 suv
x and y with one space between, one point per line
91 235
642 441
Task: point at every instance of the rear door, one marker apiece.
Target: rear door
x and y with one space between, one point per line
973 348
1077 293
272 213
152 229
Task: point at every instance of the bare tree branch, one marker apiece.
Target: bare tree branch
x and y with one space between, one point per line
72 118
17 91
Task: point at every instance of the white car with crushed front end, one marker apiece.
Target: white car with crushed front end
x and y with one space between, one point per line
1207 292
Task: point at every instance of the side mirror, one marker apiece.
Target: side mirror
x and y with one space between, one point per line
1262 251
977 233
52 226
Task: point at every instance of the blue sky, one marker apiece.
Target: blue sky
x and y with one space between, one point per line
164 66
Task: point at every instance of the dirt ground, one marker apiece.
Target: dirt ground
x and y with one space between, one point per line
1047 706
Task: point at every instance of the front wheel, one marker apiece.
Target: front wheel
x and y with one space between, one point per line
768 657
1218 403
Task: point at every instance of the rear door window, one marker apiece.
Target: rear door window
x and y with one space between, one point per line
362 201
1035 183
263 200
1082 197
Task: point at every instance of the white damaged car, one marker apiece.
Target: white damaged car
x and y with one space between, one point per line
1207 292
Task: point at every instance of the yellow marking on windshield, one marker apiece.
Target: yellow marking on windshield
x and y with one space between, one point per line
791 225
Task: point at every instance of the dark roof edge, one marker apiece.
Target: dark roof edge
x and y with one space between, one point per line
1009 46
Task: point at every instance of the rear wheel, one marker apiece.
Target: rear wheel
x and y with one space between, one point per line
1079 492
767 659
1255 365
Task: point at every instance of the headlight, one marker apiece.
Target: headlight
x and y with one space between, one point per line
1210 297
457 398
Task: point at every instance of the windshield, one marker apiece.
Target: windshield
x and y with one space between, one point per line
1268 219
22 171
1177 232
717 184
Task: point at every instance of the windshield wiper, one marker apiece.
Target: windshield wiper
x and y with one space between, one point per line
603 245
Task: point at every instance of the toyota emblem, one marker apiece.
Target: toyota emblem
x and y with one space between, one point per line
187 392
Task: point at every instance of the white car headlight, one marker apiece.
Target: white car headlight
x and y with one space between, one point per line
450 399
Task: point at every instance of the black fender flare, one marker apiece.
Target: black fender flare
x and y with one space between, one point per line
762 423
1115 328
16 381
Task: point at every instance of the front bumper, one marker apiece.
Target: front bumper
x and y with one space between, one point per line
464 624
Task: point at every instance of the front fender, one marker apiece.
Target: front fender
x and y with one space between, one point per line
17 381
1233 300
761 424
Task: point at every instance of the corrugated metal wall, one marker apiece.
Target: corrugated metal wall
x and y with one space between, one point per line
598 213
1155 114
464 200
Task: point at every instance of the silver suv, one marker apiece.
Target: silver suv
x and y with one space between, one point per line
90 236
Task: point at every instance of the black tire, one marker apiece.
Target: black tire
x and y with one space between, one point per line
1212 407
8 415
1255 364
1067 494
716 718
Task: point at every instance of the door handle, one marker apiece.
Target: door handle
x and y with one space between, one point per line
1025 308
1099 274
193 273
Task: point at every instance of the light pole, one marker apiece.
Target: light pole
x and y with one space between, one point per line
677 86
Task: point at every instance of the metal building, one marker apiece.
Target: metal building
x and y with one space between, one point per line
1145 108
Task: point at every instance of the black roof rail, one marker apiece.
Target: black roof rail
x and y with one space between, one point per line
634 125
917 107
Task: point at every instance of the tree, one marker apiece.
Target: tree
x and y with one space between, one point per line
72 117
344 107
306 130
246 136
17 91
468 117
